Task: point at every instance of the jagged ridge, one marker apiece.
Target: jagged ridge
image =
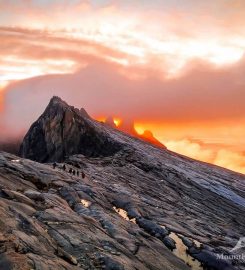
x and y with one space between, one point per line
63 130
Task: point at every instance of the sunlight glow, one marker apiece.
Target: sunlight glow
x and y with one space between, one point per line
3 84
117 121
152 48
174 52
208 143
13 68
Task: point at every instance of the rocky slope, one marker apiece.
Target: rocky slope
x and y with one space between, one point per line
138 206
51 219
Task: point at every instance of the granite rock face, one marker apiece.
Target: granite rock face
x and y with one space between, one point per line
135 207
63 130
51 219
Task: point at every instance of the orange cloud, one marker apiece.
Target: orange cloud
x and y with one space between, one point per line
170 71
170 39
222 157
231 160
203 94
191 149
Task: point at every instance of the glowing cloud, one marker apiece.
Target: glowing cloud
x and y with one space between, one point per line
165 65
165 37
225 158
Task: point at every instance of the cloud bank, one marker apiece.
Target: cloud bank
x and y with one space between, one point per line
158 63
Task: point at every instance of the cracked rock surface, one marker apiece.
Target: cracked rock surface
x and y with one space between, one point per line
123 213
44 224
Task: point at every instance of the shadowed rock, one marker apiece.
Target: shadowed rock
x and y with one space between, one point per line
63 130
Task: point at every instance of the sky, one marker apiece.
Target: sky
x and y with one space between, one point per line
174 67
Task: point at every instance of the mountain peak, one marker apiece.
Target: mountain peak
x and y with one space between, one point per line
55 100
64 130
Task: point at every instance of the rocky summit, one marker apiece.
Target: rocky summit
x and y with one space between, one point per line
84 195
62 131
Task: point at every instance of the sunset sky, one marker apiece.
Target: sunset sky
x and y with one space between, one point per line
175 67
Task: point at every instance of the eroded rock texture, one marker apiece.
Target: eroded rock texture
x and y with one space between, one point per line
53 219
45 225
63 130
